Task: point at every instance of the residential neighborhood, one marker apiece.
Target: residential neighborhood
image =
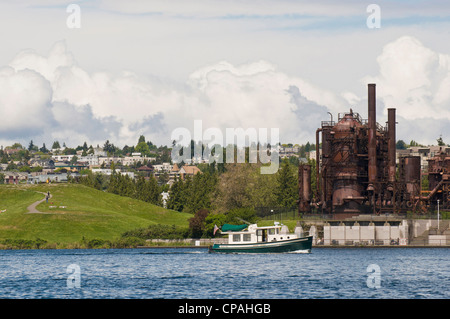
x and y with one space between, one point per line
33 165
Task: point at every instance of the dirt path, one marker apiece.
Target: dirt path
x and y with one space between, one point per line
32 208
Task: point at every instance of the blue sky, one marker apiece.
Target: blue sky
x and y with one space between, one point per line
147 67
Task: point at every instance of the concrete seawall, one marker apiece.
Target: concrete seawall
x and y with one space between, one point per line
360 233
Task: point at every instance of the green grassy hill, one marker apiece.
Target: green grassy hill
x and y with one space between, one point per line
75 212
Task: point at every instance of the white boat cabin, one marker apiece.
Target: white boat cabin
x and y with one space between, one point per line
255 234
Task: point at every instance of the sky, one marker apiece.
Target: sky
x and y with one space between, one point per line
115 70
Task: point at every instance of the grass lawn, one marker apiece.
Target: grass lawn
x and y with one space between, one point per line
88 213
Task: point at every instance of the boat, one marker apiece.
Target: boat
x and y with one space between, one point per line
266 239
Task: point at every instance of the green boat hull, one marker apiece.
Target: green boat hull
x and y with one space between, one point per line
303 244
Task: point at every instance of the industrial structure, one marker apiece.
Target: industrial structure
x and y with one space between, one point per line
357 172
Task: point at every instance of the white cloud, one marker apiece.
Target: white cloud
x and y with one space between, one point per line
415 80
25 102
258 95
59 99
98 106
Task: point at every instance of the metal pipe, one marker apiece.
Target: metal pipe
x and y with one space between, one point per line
304 178
372 143
306 182
317 164
391 146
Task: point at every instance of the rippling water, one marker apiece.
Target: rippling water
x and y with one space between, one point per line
194 273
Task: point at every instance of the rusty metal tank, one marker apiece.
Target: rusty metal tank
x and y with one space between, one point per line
410 171
346 187
304 179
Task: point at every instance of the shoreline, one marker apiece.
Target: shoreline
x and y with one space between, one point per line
206 247
322 246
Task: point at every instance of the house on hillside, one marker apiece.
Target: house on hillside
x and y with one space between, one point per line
136 158
189 170
14 177
47 178
107 160
90 159
145 170
44 163
11 151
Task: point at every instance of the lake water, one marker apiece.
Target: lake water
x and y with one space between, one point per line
178 273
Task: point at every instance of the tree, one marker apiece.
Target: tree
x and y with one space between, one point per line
413 143
163 178
31 146
239 215
148 191
11 166
17 146
197 223
400 145
199 193
127 149
287 190
93 180
211 221
43 149
142 148
107 147
177 198
74 160
440 141
121 185
232 189
55 145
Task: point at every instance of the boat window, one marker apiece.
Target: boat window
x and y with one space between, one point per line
271 231
237 237
261 235
247 237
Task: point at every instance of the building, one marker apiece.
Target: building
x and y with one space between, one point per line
107 160
44 163
62 158
136 158
188 170
71 166
104 171
90 160
425 152
145 170
11 151
47 178
14 177
164 167
108 171
287 152
98 151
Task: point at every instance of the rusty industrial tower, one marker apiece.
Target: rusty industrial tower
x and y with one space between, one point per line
357 172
